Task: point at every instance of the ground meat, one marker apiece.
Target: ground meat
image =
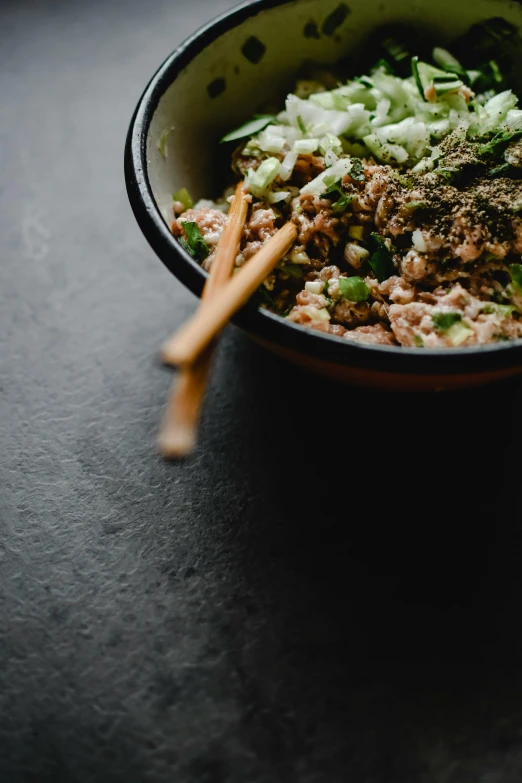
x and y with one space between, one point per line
451 236
259 229
375 335
210 222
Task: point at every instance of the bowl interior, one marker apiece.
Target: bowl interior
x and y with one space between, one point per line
247 60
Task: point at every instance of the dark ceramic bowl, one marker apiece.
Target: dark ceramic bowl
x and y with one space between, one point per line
219 78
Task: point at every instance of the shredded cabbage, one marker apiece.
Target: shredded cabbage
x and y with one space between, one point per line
396 120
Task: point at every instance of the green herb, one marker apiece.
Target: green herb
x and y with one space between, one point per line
417 204
499 139
326 288
357 171
383 63
365 82
416 76
448 172
265 298
354 289
256 125
499 171
516 275
381 261
341 203
196 245
184 197
444 321
302 126
506 311
292 270
418 341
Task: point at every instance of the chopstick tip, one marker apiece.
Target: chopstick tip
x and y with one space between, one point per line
176 442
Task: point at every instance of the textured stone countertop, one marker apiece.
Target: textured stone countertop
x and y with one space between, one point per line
329 591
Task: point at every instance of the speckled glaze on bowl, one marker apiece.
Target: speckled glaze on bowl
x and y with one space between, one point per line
219 78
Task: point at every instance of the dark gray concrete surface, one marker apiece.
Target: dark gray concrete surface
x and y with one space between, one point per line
330 590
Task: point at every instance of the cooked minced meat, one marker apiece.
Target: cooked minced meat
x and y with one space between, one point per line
417 245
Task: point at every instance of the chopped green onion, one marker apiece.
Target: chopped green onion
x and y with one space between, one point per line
196 245
416 76
354 289
259 180
184 197
417 204
250 128
418 341
458 333
356 232
302 126
444 321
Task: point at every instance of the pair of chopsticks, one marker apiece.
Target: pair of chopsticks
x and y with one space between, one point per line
192 347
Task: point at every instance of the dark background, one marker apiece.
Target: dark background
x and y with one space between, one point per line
330 590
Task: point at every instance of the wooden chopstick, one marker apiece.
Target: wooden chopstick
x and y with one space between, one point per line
177 436
193 338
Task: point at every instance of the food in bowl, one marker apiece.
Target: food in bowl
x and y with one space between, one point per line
406 187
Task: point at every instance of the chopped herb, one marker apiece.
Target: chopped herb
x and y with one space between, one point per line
385 64
341 203
196 245
418 341
326 288
417 204
256 125
499 139
184 197
506 311
354 289
302 126
444 321
499 171
292 270
363 81
516 275
448 172
381 261
416 76
357 171
265 298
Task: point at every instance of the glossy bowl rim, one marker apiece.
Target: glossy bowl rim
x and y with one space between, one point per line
257 321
